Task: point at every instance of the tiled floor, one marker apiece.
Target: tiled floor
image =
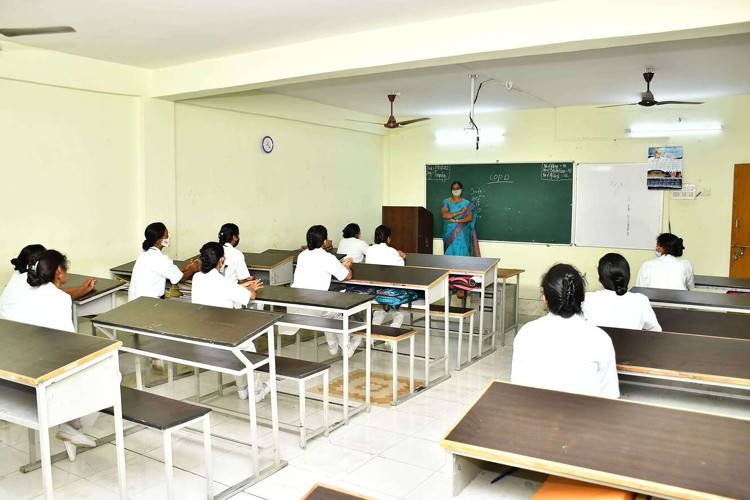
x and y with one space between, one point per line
388 453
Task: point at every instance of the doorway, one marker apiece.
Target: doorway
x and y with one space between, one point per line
739 262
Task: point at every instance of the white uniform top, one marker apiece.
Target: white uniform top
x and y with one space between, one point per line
570 355
46 306
235 267
315 268
383 254
632 310
213 289
15 286
666 271
150 273
354 248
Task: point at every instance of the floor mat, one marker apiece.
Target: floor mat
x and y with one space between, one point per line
381 391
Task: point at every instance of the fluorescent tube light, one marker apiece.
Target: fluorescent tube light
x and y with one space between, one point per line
674 129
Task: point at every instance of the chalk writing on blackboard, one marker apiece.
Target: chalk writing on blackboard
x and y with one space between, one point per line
440 173
500 179
479 198
556 172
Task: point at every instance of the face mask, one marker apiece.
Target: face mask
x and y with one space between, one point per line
165 242
456 192
657 253
238 241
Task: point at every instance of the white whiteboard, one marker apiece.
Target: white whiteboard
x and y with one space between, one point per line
614 208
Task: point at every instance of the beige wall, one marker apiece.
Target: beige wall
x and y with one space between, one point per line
591 135
67 174
317 174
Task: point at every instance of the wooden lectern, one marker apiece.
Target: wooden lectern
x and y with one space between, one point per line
412 228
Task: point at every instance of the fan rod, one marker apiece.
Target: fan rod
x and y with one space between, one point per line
471 97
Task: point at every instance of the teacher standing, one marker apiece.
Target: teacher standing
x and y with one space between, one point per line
459 224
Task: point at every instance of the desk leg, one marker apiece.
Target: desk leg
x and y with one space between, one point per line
463 471
502 312
368 355
518 294
481 316
274 400
344 353
119 435
494 306
427 336
41 401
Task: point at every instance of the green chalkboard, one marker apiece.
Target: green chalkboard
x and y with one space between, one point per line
524 202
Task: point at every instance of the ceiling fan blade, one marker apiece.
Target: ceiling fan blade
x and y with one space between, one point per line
45 30
616 105
364 121
676 102
408 122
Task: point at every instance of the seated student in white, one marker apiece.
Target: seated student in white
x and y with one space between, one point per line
44 304
351 245
235 267
18 283
211 288
381 253
667 270
152 268
562 351
615 306
315 267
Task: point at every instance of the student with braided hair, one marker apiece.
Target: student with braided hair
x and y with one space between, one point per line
211 288
235 267
668 269
615 306
562 351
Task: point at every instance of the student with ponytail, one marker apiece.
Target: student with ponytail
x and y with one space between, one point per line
211 288
351 245
562 351
615 306
152 268
668 269
44 304
235 267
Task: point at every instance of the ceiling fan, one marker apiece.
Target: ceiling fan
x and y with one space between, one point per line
647 98
42 30
392 123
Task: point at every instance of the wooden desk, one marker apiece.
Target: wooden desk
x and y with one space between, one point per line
504 275
325 492
272 268
722 283
634 446
295 253
473 266
99 300
209 328
50 377
434 284
682 356
706 301
347 304
713 324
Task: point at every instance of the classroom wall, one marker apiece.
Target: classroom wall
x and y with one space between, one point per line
68 174
590 135
317 174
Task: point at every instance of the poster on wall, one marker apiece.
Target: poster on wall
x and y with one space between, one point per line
664 167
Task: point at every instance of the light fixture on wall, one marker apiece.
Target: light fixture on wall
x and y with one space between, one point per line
467 136
675 128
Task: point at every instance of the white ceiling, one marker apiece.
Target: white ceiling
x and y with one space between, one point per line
159 33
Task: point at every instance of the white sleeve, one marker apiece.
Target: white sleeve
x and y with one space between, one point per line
238 293
169 270
690 279
519 362
609 384
242 271
335 268
63 312
642 279
649 317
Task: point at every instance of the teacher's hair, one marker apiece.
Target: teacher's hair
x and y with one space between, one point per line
564 289
382 233
227 232
614 273
671 244
459 184
316 236
211 254
153 233
21 263
351 230
43 267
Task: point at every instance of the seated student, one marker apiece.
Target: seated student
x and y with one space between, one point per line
18 284
235 267
315 267
562 351
44 304
667 270
615 306
210 288
351 245
153 268
381 253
